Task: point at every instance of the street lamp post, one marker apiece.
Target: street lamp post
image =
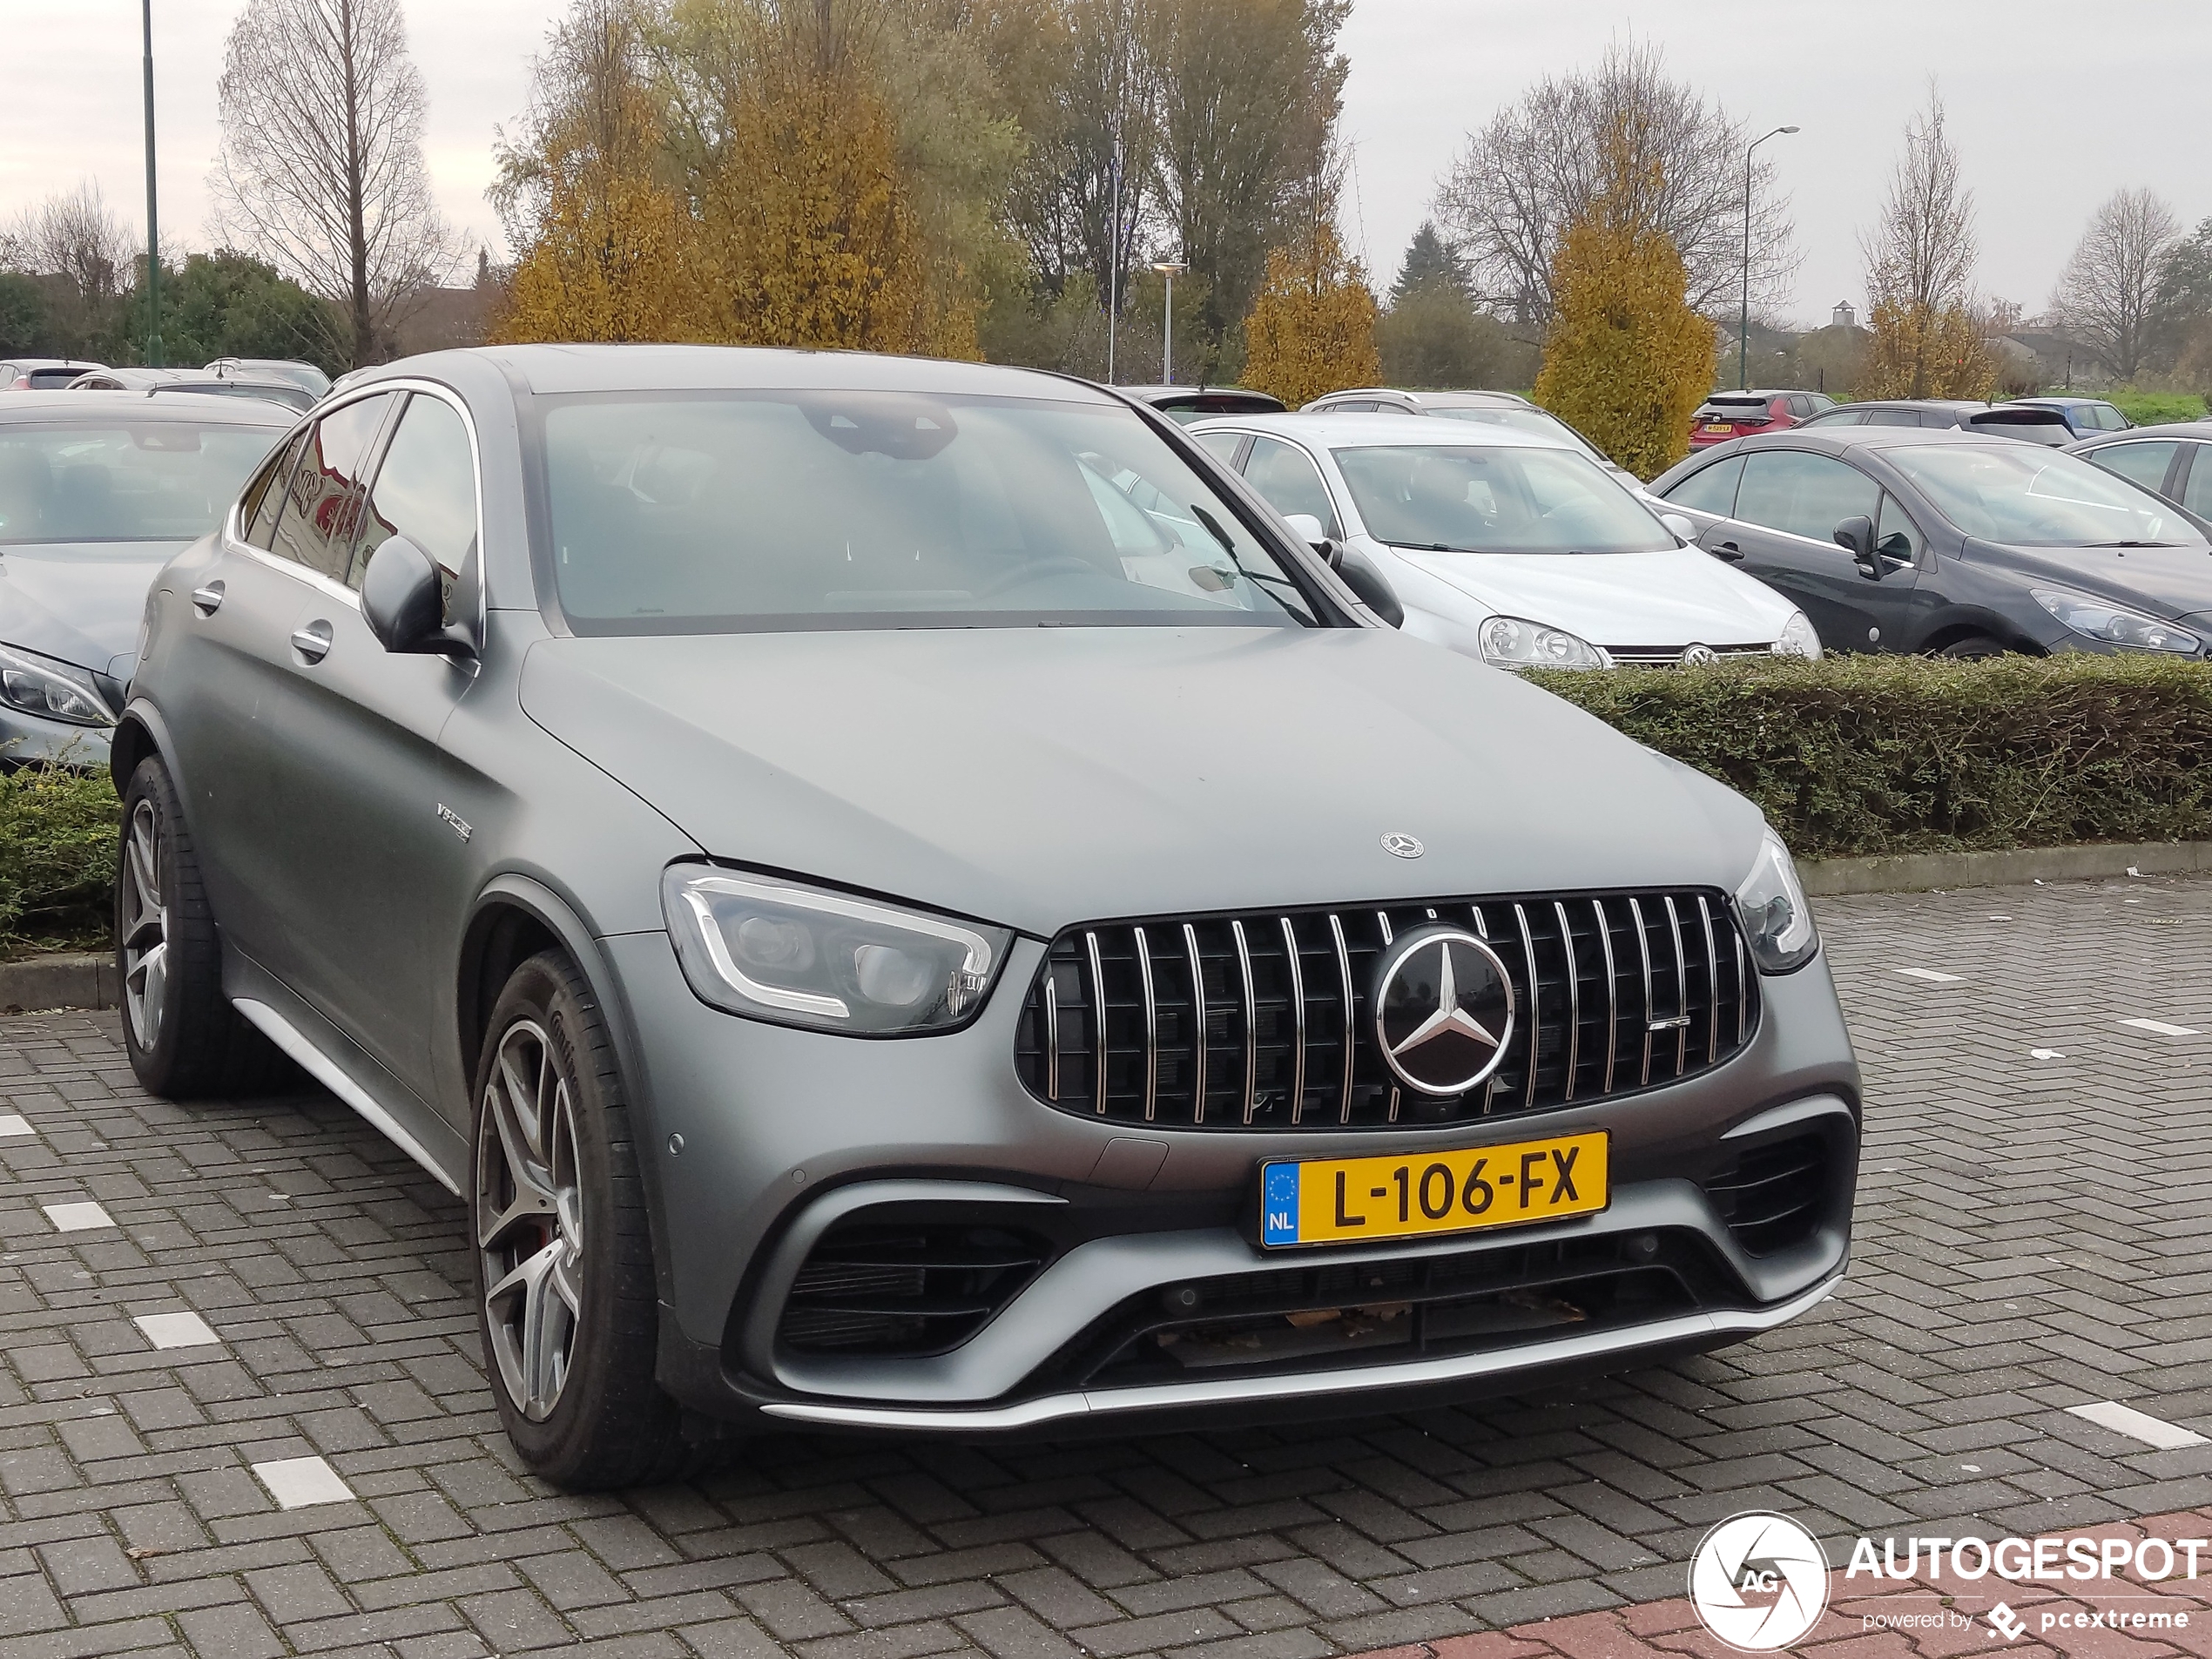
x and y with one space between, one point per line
1170 269
1743 324
1114 262
153 224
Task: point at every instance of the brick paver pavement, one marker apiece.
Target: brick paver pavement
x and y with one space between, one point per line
2031 1238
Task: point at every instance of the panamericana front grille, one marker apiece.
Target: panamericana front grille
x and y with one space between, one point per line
1266 1021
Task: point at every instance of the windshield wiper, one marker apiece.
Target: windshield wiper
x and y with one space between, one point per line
1213 527
2132 544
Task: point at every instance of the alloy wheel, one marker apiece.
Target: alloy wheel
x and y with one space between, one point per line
529 1219
145 927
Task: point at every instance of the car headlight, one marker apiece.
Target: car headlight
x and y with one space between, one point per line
2094 620
53 691
802 956
1508 642
1798 639
1770 904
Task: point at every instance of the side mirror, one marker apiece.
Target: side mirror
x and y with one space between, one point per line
1856 536
1369 584
1311 532
1684 529
403 603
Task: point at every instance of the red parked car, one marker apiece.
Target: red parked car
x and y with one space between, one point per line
1737 415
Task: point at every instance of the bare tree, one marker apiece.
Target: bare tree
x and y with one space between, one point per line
1536 167
1922 251
2107 292
74 239
321 168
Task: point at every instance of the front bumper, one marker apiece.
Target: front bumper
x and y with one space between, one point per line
27 740
786 1134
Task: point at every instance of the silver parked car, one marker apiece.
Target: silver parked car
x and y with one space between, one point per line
903 897
95 497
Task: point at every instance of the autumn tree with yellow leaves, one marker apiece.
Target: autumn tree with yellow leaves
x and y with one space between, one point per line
1927 342
1312 329
1626 360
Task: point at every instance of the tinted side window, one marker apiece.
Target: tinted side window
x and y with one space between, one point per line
316 525
257 511
2142 463
1711 489
1801 406
1805 495
2196 490
1895 536
425 488
1895 417
1290 482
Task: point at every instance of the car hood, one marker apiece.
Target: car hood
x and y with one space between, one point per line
1672 599
2175 581
79 601
1043 776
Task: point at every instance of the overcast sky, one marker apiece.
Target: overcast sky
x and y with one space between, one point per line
2055 104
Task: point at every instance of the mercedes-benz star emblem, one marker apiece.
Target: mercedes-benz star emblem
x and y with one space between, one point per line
1402 844
1443 1009
1699 654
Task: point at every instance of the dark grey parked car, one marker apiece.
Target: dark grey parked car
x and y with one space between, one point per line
96 496
1951 542
2176 461
2034 425
905 899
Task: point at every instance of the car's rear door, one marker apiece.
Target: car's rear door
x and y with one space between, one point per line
231 669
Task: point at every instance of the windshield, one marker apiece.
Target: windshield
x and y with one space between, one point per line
691 513
156 480
2023 496
1466 499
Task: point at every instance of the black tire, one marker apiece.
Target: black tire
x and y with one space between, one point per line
606 1422
184 1040
1973 648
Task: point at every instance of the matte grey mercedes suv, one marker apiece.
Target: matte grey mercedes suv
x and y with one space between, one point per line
903 897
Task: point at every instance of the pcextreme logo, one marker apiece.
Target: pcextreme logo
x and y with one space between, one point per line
1758 1582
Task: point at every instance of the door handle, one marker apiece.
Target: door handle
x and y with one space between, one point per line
1726 550
313 642
207 600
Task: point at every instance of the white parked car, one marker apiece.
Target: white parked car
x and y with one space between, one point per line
1510 546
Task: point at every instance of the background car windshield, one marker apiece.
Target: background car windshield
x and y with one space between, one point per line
161 480
1474 500
2026 496
684 513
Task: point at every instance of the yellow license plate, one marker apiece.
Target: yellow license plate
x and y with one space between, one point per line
1720 429
1414 1196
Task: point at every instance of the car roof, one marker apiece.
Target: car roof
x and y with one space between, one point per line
1447 398
2068 401
1160 393
556 370
1374 431
59 407
1770 391
1915 403
85 363
2166 429
1837 438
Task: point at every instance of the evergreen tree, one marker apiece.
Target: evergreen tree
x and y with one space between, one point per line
1431 262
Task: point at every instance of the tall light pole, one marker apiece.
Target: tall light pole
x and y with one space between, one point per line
1170 269
1743 325
153 223
1114 262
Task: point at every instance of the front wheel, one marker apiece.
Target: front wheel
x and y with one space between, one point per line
1973 649
565 1291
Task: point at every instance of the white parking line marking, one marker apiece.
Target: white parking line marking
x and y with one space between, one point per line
2162 1028
11 1124
2044 1054
76 1218
176 1329
2138 1425
1929 975
296 1483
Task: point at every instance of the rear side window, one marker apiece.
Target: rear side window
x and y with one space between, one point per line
425 489
2196 491
2144 464
1221 446
315 527
1290 482
1711 489
1898 417
1804 494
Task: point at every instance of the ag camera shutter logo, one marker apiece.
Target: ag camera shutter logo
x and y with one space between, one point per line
1758 1582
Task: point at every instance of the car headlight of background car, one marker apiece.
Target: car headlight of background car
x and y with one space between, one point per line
54 690
2096 619
1777 922
804 956
1509 642
1797 638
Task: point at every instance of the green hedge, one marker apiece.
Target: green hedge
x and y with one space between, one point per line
1856 755
57 836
